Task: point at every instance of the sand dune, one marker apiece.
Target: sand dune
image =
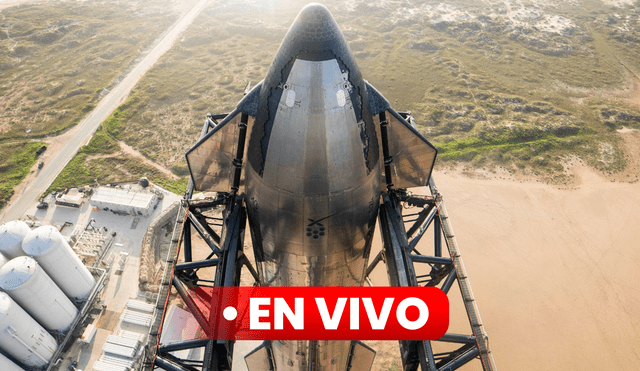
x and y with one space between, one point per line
555 272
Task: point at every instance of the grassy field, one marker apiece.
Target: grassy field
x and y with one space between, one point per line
521 87
57 59
16 159
102 161
492 93
486 92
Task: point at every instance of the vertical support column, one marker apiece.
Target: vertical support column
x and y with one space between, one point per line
437 240
401 273
229 274
396 268
385 149
209 361
237 162
482 340
188 256
428 362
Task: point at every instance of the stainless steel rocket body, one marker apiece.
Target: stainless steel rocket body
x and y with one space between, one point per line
313 185
314 199
311 170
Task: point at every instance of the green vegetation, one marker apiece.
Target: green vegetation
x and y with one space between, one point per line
176 186
57 59
485 92
101 161
205 72
84 170
490 94
16 159
489 88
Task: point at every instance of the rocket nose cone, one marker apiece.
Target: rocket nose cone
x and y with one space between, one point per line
313 33
315 22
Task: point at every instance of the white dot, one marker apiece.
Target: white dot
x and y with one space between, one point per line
229 313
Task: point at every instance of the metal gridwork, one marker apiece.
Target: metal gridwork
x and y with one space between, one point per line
224 234
90 243
407 266
482 339
224 263
220 222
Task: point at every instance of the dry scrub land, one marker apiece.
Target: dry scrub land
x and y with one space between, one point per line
57 59
517 85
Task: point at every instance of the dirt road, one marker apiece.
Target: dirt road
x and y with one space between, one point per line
86 128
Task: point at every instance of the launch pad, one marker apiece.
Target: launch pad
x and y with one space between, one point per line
313 157
221 220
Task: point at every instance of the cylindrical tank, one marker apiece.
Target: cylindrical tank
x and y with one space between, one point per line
11 236
3 260
28 284
8 365
54 254
22 337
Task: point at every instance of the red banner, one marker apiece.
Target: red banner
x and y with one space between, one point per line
328 313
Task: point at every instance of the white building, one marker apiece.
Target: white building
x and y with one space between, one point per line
127 200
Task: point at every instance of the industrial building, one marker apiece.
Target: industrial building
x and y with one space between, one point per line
126 200
68 303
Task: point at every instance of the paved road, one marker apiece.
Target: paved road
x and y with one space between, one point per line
89 124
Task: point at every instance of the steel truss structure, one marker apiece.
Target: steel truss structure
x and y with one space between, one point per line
221 223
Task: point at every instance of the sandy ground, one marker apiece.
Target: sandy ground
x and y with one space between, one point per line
618 3
554 271
11 3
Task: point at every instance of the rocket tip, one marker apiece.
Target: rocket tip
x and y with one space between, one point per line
314 16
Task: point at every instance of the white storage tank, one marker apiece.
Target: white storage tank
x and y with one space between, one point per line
8 365
22 337
28 284
3 260
60 262
11 236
